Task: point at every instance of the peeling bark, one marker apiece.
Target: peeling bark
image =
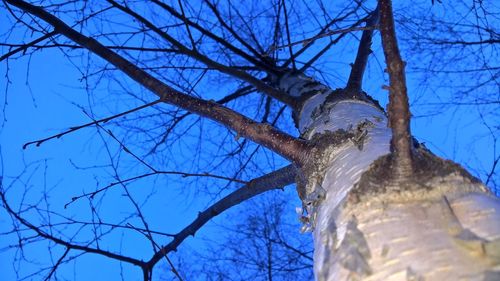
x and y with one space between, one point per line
439 224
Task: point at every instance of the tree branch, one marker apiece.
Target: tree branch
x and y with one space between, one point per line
24 47
289 40
274 180
216 38
309 43
266 135
95 122
332 42
398 110
355 82
67 245
266 89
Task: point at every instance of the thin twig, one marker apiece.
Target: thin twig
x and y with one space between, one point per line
275 180
184 18
183 174
62 242
24 47
95 122
326 34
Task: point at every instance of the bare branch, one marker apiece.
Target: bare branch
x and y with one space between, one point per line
62 242
95 122
264 134
399 112
355 82
182 174
184 18
329 45
288 34
59 261
274 180
231 30
24 47
266 89
216 38
326 34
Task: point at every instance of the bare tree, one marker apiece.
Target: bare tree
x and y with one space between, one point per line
263 244
380 205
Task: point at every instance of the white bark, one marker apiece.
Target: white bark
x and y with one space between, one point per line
448 231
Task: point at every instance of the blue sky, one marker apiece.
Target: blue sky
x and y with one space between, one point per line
46 98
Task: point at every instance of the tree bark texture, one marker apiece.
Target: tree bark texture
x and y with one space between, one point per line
442 225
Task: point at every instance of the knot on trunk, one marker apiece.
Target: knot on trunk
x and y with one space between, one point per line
312 171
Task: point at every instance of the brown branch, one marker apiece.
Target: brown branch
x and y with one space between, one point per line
398 109
355 82
268 136
274 180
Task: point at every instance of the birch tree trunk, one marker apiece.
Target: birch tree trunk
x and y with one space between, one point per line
443 224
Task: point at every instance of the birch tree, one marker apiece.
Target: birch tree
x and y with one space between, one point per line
379 204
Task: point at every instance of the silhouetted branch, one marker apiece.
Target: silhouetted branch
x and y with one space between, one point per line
216 38
463 42
326 34
324 29
231 30
273 180
270 137
24 47
266 89
176 120
333 42
182 174
96 122
59 241
288 37
355 82
59 261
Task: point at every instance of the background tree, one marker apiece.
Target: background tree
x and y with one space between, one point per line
223 61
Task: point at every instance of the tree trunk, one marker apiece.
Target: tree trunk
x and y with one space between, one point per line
443 224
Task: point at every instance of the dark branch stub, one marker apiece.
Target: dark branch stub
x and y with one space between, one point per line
398 109
355 81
